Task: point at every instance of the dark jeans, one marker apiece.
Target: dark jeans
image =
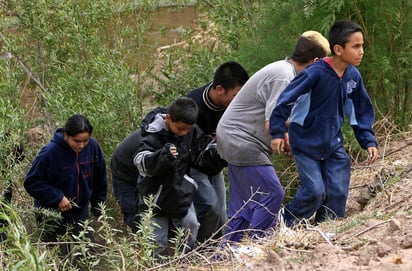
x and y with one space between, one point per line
324 186
210 204
124 193
53 231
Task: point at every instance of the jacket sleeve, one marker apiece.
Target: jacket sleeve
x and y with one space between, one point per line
39 181
297 87
99 192
206 158
360 112
152 160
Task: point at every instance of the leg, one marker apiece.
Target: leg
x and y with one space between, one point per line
235 229
260 189
218 182
191 226
161 232
52 230
311 192
268 201
239 215
124 193
206 203
337 180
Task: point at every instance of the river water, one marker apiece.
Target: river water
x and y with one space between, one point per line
166 27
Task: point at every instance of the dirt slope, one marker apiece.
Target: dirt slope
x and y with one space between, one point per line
376 234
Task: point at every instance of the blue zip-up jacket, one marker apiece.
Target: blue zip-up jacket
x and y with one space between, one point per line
317 101
58 171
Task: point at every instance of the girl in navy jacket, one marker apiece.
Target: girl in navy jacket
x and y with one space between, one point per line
67 175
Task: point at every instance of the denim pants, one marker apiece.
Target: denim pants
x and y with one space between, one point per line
255 198
210 204
124 193
324 186
161 226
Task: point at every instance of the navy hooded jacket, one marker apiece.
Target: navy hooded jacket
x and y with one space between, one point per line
59 171
317 101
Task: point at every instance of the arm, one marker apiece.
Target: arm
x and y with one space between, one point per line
99 192
206 157
279 119
39 182
282 144
152 160
360 112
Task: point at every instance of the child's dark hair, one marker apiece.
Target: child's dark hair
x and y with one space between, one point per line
311 44
77 124
340 32
230 75
183 109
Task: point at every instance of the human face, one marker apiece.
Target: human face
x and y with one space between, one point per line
77 142
353 51
177 127
226 96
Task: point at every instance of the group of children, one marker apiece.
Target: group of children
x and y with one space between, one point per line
296 106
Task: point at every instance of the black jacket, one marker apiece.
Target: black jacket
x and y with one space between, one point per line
161 174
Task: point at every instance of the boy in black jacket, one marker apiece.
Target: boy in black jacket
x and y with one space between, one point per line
170 144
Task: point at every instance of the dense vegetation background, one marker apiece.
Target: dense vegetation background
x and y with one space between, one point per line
96 58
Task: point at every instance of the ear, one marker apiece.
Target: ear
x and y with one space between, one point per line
168 118
220 90
337 49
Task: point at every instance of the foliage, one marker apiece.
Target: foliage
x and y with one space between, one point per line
259 32
93 57
184 70
78 62
17 251
263 31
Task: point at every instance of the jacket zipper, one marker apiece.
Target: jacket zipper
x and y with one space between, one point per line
78 177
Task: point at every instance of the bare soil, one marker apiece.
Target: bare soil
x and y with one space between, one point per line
375 235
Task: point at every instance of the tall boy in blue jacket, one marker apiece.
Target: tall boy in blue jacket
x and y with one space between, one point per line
316 102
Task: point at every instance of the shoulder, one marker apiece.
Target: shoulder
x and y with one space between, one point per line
275 71
197 93
279 68
94 147
93 142
317 69
50 148
353 71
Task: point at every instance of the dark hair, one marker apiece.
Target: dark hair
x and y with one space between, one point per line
311 44
340 32
229 75
183 109
77 124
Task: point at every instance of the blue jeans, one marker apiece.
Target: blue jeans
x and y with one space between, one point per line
255 198
324 186
124 193
161 226
210 204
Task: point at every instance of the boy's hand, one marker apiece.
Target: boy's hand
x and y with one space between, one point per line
277 145
373 154
173 151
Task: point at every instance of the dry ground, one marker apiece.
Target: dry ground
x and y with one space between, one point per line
375 235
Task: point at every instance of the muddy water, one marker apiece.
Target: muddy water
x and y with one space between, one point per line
166 28
169 22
